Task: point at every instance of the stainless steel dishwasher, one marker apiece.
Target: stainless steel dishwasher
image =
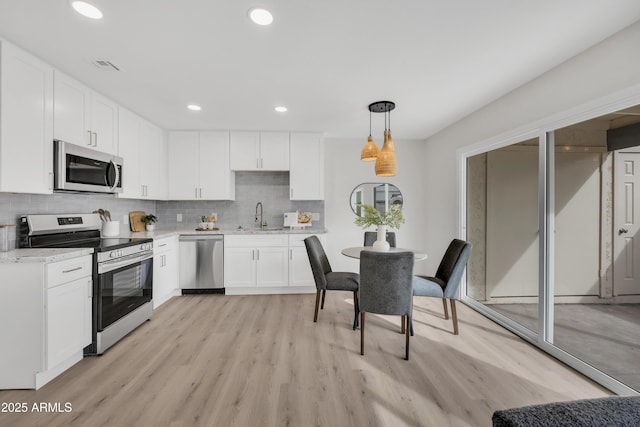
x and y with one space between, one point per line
202 263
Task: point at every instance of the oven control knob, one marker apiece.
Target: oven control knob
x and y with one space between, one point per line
112 254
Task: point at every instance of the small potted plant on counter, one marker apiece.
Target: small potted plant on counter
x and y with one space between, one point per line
150 221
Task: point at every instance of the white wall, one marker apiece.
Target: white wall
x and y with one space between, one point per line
344 171
609 67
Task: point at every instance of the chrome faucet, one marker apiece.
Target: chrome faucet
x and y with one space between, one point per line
262 223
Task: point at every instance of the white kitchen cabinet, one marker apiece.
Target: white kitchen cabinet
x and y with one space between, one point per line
199 166
26 122
256 261
306 176
269 263
82 116
165 270
45 319
300 273
143 148
259 151
153 161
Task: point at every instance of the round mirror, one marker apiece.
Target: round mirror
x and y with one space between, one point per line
379 195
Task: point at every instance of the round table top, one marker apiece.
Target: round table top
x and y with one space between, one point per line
354 252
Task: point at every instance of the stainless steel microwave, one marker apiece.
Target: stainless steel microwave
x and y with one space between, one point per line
78 168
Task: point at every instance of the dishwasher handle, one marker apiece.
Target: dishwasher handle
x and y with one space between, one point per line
195 238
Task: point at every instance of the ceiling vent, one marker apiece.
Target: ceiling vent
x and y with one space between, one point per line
105 65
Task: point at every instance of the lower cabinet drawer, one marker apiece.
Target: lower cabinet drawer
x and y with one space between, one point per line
68 270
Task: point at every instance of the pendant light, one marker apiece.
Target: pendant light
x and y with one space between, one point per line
370 150
386 163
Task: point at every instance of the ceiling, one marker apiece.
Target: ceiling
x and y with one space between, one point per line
438 60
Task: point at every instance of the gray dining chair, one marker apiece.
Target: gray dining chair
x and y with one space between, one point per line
447 280
328 280
372 236
386 281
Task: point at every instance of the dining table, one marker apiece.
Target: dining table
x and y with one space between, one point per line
354 252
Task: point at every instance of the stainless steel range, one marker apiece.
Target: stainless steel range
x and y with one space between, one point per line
122 271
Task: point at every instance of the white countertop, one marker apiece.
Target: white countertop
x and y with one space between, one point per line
159 233
59 254
42 255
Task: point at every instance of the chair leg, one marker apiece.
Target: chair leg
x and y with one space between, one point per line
446 310
454 315
402 324
356 308
324 292
362 332
315 315
407 318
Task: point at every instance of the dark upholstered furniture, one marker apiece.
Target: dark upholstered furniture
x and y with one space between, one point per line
386 287
607 411
328 280
447 279
372 236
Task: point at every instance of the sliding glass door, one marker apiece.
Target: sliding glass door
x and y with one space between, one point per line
555 223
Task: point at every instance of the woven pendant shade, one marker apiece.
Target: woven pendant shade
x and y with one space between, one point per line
386 164
369 151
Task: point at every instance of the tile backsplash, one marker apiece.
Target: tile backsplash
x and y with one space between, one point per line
270 188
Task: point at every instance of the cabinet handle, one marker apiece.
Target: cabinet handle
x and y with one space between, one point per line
253 254
201 193
258 163
291 254
196 192
164 244
95 140
90 138
72 270
90 282
258 252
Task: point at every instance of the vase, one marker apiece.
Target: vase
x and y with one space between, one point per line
150 227
381 243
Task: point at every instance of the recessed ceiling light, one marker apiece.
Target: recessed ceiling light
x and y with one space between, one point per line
281 109
194 107
86 9
261 16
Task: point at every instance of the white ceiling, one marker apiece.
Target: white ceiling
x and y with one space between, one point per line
438 60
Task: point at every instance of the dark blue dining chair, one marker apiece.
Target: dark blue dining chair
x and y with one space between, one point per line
447 280
386 288
328 280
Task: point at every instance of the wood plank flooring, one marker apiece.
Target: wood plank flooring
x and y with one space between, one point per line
213 360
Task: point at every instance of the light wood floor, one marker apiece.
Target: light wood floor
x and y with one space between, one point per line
217 360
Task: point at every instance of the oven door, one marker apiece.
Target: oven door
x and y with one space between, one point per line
123 285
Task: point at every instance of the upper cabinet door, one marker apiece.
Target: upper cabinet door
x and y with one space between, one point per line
244 151
71 110
183 165
84 117
26 122
104 124
153 161
259 151
216 180
306 179
129 150
274 151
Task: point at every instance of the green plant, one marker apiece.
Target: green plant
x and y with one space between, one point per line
393 218
150 219
204 218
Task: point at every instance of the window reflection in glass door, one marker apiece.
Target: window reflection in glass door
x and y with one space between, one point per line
502 225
